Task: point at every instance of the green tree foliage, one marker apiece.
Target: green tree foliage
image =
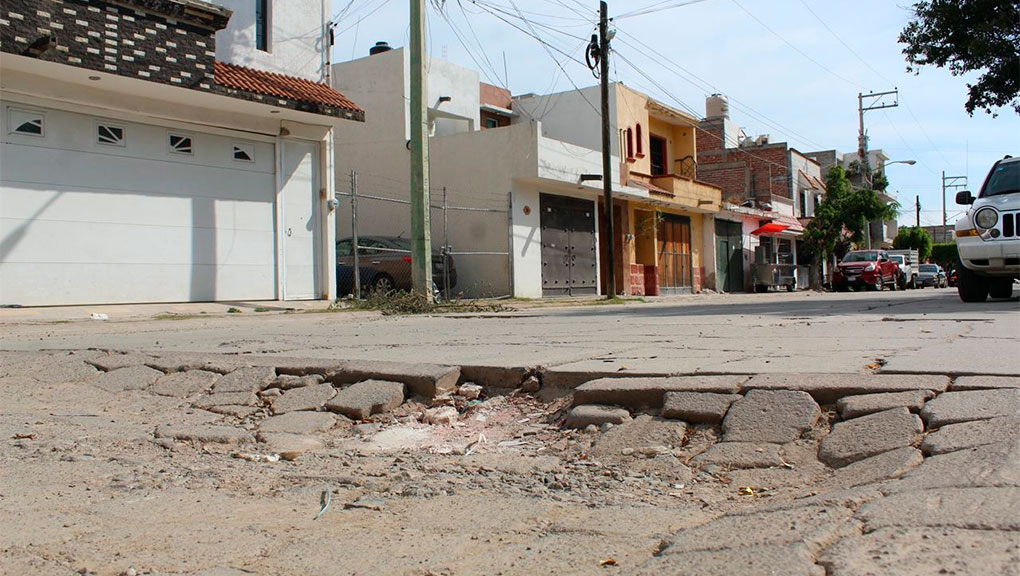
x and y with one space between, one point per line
945 254
914 238
969 36
843 215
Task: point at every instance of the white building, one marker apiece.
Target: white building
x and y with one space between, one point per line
484 157
166 151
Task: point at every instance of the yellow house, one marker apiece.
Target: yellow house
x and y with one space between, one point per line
665 244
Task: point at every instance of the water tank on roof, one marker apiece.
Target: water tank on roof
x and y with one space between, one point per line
379 48
717 106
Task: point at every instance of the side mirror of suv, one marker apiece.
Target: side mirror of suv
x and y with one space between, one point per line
964 197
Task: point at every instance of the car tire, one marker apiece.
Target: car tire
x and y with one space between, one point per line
383 284
971 287
1000 288
894 285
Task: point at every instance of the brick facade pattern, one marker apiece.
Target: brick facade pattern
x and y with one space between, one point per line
754 172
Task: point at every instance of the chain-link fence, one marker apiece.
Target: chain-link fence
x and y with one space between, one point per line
470 238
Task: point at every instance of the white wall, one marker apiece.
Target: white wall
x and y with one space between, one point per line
296 37
572 116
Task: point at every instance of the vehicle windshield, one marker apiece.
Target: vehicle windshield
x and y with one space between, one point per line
868 256
929 268
1003 179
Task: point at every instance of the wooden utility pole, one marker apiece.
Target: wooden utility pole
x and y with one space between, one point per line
421 242
607 166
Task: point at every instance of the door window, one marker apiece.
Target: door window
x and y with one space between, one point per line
657 154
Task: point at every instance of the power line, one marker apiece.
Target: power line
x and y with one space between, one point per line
657 7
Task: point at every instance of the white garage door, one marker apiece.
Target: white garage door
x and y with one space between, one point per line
97 210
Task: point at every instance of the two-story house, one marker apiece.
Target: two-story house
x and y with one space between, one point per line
166 151
664 242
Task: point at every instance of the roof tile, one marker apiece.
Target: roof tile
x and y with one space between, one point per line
280 86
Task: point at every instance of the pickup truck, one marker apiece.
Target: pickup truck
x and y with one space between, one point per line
865 268
908 261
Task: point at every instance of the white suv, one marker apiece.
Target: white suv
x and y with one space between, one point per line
988 236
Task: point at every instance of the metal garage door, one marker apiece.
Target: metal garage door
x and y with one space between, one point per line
98 210
568 246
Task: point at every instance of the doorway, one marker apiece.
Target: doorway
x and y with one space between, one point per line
569 263
301 236
675 258
729 255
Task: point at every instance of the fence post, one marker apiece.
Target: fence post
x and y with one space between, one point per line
510 242
446 248
354 234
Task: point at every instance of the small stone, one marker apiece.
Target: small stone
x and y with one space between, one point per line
290 446
531 384
361 400
271 393
441 415
591 429
305 398
594 414
627 451
870 435
289 382
470 391
366 429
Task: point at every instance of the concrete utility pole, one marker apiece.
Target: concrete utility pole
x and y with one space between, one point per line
917 211
874 103
421 242
607 167
949 182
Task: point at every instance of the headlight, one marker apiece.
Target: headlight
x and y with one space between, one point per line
869 268
986 218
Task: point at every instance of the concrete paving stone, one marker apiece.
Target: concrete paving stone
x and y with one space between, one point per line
697 407
59 368
851 498
775 416
854 406
650 392
571 379
184 384
225 399
304 398
815 527
299 423
496 376
130 378
289 446
969 508
953 407
114 360
904 551
788 560
182 361
964 383
737 455
827 388
886 466
870 435
580 417
290 381
953 437
305 366
205 433
424 379
246 379
363 399
995 464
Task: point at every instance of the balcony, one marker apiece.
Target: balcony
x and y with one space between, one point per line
687 192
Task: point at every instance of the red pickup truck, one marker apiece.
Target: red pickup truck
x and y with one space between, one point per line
866 268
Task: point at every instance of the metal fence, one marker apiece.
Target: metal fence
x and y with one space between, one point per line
470 235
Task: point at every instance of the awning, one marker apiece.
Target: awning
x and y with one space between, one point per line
770 229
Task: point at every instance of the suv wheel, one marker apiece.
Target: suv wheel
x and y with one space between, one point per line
1000 288
971 287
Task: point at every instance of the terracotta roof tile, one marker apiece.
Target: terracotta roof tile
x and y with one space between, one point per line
280 86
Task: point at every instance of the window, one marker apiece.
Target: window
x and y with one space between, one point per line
491 123
657 150
181 144
244 153
640 141
25 122
630 145
262 8
109 135
803 204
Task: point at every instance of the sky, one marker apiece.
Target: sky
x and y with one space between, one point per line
791 69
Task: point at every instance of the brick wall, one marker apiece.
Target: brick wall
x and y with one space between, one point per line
126 38
755 171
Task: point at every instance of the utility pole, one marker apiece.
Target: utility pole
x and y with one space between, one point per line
917 211
874 103
949 182
421 242
607 168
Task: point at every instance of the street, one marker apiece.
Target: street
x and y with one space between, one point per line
236 444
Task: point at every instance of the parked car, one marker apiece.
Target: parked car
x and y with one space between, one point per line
866 268
932 275
988 236
952 277
907 260
385 264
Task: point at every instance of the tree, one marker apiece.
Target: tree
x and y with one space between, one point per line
969 36
914 238
843 215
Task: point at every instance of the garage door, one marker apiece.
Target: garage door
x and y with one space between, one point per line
97 210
